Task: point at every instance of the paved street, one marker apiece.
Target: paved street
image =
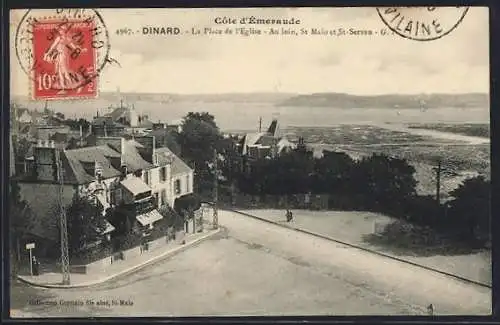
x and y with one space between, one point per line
262 269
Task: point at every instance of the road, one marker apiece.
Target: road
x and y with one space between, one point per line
257 268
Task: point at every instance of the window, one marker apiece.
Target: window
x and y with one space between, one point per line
177 186
187 183
156 199
163 197
146 177
163 174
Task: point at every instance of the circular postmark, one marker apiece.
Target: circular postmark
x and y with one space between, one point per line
422 23
62 50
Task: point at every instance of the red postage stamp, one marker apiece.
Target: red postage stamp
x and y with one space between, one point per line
66 60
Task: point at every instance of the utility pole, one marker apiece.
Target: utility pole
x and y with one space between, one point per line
216 194
260 124
63 225
438 182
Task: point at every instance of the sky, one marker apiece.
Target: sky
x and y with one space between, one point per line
455 63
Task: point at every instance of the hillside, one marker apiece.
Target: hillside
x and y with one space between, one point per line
207 98
340 100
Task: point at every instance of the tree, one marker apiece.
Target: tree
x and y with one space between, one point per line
20 217
385 183
470 208
21 148
198 139
332 173
85 223
169 139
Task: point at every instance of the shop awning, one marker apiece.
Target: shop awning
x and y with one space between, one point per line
148 218
135 185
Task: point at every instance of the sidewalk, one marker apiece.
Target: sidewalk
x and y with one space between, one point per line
54 279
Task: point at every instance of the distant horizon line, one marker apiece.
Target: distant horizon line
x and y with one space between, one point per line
278 93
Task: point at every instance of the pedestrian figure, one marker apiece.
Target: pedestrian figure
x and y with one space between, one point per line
430 310
35 266
289 215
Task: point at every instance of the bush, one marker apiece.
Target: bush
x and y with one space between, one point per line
128 241
93 254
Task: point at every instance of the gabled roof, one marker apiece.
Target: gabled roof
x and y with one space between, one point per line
21 110
250 139
178 166
117 113
133 159
101 120
145 123
59 137
77 158
273 128
266 140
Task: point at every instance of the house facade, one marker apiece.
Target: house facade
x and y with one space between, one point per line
262 145
113 172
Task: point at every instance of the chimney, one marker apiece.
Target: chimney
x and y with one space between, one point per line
155 161
46 161
122 152
81 135
123 165
98 171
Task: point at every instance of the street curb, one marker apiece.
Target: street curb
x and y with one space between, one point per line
457 277
172 252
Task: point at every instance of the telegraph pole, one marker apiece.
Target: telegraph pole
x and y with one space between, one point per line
216 194
64 227
438 182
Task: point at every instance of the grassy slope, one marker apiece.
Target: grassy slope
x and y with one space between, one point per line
357 228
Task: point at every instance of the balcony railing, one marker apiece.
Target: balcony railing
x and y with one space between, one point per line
144 206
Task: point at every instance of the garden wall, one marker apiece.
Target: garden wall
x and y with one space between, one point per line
102 264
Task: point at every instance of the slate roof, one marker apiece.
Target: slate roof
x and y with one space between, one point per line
133 159
99 121
59 137
266 140
117 113
77 158
178 165
145 123
78 163
21 110
273 127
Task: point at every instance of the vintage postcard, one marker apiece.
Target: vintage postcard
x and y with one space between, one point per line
250 162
